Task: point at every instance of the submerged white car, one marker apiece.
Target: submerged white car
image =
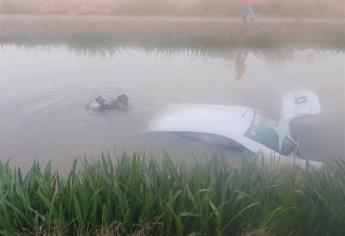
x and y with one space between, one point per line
244 127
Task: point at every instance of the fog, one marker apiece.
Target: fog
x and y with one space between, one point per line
172 117
56 56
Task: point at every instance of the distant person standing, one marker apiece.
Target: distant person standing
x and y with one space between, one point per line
247 10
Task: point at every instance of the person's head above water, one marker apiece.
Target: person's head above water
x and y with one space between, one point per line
121 102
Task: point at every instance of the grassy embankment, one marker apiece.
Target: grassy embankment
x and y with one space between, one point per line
170 32
141 196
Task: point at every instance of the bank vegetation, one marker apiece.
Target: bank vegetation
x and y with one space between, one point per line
140 195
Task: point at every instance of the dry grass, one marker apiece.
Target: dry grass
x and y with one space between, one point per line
259 232
114 229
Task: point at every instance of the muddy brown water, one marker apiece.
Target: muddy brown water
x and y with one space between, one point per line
44 90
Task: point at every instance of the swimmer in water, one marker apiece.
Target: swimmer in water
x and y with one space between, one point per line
105 103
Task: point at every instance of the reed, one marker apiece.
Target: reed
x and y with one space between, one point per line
169 32
134 194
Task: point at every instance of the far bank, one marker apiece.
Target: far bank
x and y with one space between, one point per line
185 31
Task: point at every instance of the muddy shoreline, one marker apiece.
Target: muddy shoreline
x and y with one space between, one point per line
171 31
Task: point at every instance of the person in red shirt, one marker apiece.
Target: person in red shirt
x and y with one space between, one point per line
247 10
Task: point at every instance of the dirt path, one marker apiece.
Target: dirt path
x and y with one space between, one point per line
162 19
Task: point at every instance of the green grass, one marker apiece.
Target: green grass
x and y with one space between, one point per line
138 195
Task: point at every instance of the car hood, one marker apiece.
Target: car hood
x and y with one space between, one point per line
228 121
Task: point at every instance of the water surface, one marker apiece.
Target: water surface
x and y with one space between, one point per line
44 90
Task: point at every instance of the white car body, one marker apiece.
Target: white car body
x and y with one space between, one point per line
243 125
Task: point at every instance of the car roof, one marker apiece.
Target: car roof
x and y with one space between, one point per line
229 121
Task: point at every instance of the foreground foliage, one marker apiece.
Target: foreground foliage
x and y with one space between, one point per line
137 195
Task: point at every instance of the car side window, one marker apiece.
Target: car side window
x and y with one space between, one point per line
263 131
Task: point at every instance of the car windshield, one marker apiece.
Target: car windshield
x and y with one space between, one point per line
265 130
